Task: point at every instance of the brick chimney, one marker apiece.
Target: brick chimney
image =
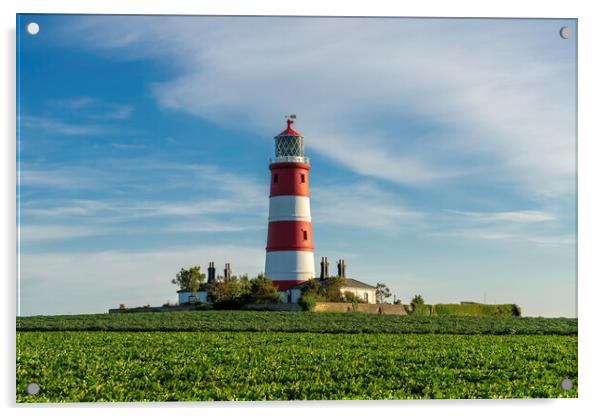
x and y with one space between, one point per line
324 268
211 273
341 268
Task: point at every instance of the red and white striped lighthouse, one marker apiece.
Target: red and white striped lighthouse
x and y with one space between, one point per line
290 251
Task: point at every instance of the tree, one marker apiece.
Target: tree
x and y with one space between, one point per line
332 291
231 289
189 280
262 290
312 286
417 300
382 292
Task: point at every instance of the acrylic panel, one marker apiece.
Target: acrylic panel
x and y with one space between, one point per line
295 208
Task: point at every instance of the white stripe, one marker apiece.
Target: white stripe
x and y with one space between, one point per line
289 208
289 265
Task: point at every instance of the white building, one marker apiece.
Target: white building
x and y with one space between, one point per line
184 296
360 289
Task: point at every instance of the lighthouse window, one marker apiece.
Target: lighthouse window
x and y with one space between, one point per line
302 178
275 178
304 234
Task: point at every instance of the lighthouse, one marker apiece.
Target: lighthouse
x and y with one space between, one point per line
289 257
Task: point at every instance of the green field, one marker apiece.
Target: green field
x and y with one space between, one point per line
222 355
204 321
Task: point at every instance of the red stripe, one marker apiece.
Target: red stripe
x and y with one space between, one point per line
283 285
289 236
289 179
279 165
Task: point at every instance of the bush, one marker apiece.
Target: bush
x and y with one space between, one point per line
352 297
308 301
262 291
121 306
417 300
421 309
476 309
332 290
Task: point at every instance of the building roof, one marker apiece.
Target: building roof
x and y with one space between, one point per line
289 130
357 283
348 283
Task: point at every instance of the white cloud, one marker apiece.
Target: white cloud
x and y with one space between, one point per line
212 227
362 206
498 91
520 235
44 233
86 282
74 103
116 112
93 108
540 228
507 216
47 124
211 194
58 178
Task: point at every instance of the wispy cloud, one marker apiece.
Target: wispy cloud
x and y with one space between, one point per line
54 126
507 216
58 178
215 227
131 277
362 206
74 103
491 97
212 194
524 236
117 112
93 108
44 233
541 228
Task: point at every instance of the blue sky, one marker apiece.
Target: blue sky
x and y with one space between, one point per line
442 151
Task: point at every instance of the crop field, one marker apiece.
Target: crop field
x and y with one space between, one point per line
166 366
250 355
205 321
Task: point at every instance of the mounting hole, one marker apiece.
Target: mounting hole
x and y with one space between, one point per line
566 384
32 389
32 28
565 32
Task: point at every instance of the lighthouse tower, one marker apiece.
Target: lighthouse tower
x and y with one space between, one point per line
290 252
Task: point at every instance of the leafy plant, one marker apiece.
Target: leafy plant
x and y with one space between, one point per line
331 323
308 301
155 366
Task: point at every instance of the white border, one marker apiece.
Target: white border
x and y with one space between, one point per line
590 205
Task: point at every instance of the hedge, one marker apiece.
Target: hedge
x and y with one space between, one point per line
475 309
